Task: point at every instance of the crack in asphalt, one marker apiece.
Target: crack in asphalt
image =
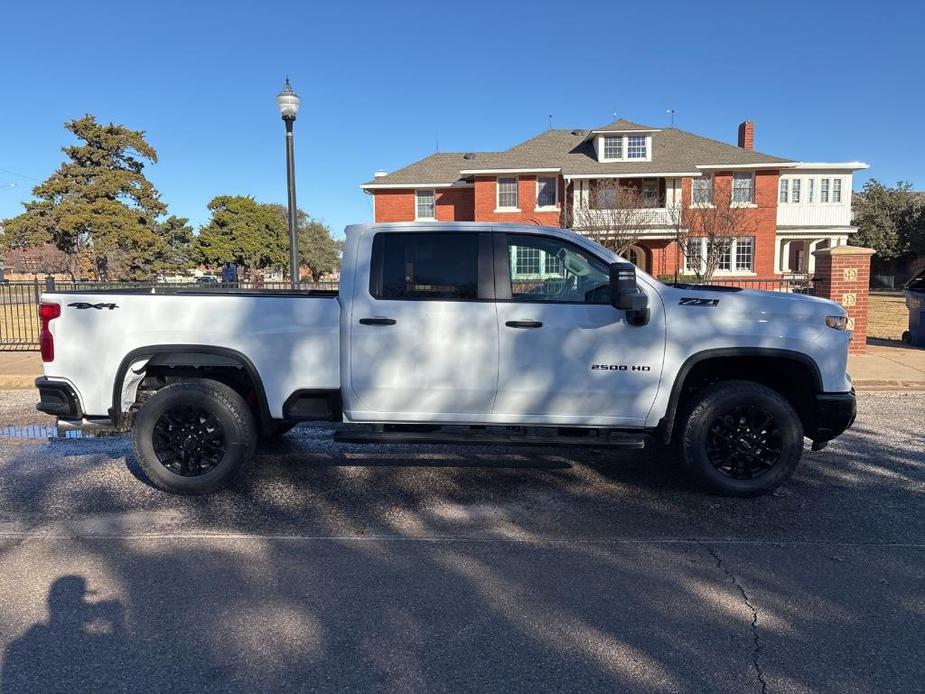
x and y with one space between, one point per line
756 652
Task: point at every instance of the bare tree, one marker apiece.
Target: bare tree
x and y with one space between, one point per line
615 216
704 231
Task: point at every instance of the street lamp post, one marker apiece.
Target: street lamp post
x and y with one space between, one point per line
288 102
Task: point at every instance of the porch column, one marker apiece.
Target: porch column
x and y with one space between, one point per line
785 256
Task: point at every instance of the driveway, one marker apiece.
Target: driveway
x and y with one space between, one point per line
464 569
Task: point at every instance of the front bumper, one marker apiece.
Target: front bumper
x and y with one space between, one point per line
58 399
834 413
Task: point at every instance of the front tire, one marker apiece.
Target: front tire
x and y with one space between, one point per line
194 437
741 439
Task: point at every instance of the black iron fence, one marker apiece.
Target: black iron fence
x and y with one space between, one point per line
19 321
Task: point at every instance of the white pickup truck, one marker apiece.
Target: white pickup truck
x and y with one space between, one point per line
461 332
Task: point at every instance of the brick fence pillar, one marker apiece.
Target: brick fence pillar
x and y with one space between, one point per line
843 275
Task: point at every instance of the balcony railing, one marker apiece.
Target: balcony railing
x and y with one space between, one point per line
647 216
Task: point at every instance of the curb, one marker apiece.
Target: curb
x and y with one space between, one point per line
888 385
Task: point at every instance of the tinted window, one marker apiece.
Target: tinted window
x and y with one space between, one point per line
425 266
547 269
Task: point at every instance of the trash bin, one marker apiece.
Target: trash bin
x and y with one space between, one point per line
915 301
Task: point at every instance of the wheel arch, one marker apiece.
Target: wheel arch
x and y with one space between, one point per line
735 363
191 356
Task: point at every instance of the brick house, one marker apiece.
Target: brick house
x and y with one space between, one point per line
792 207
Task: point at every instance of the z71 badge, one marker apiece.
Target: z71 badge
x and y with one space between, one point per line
100 307
694 301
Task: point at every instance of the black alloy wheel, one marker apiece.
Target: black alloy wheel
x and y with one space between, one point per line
189 441
744 442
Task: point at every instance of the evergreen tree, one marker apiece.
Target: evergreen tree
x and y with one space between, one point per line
97 204
242 231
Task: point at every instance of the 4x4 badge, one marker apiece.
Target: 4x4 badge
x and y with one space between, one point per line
83 304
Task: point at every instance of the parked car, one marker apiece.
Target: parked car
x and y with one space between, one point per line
207 280
473 333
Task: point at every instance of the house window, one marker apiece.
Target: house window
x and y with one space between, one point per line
745 253
795 190
784 190
836 190
735 254
507 193
743 187
724 246
613 148
823 190
810 189
636 147
650 193
424 205
604 196
546 191
702 190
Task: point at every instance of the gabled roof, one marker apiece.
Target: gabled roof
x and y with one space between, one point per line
571 152
621 125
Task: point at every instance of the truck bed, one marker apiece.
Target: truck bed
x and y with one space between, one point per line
292 338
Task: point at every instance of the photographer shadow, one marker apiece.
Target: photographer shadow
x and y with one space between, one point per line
83 646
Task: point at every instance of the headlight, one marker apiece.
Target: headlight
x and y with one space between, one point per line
837 322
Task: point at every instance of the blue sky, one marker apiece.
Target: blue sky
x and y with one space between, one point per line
381 82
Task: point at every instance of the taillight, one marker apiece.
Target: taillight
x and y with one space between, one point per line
47 313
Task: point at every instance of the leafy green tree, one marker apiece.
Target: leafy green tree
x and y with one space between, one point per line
242 231
319 252
98 203
886 217
175 244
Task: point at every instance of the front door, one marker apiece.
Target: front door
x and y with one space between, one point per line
567 356
424 334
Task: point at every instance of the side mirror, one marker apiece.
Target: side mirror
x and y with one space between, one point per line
625 295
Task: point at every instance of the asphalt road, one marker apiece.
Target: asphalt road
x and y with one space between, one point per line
464 569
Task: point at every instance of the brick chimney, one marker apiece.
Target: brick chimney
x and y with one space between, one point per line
747 134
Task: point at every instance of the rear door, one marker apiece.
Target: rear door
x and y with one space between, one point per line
567 356
424 333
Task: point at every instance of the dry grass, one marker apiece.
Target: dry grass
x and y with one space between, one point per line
19 323
888 317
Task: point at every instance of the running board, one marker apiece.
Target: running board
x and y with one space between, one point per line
479 438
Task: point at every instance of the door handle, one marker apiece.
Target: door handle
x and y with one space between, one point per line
377 321
524 324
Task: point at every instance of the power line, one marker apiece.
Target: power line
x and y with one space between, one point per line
21 175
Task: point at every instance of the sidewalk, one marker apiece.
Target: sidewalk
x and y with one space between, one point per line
887 365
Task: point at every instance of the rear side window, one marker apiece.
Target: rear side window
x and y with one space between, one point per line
425 266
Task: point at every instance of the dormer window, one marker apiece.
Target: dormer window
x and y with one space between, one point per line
636 147
624 147
613 148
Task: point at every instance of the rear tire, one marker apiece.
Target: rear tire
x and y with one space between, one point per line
741 439
194 437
